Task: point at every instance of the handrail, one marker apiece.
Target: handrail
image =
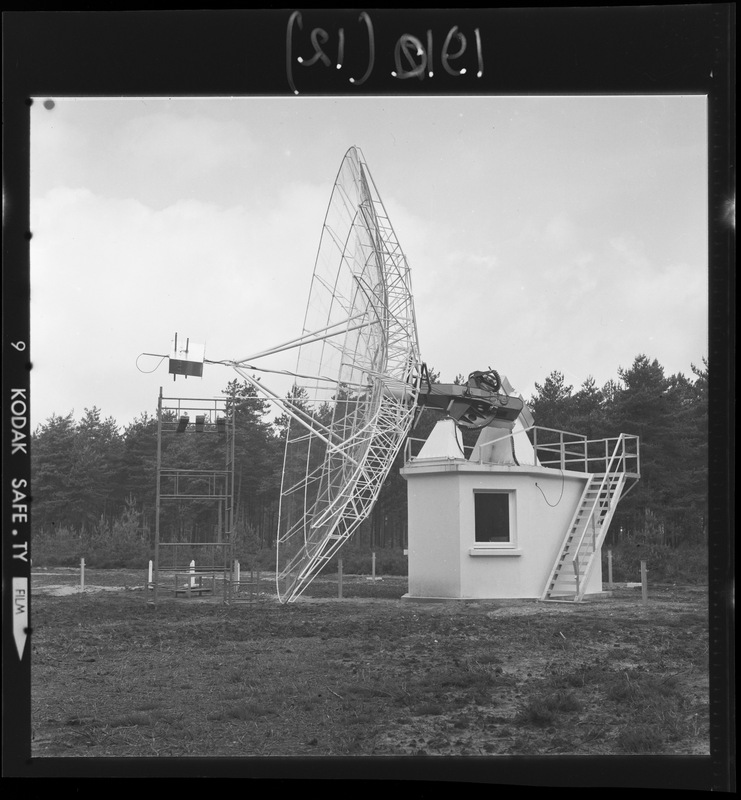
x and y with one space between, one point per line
562 449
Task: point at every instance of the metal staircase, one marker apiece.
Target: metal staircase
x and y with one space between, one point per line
568 579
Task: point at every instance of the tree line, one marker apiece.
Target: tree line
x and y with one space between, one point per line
87 473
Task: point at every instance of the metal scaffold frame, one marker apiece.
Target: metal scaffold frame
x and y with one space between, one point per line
199 417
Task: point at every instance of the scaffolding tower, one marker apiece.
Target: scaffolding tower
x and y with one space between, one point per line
191 558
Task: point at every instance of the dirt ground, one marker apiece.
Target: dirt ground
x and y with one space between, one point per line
368 674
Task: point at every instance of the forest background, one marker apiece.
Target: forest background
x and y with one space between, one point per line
94 482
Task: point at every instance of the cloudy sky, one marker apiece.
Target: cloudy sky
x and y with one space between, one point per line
543 233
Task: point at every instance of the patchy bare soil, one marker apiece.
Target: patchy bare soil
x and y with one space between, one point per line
368 674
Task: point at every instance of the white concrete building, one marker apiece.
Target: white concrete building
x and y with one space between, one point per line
510 520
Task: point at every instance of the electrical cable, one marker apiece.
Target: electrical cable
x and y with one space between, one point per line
154 355
563 483
459 441
514 454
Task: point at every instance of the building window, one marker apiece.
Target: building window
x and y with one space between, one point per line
492 517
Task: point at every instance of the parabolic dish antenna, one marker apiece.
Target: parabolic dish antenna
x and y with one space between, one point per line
358 384
360 344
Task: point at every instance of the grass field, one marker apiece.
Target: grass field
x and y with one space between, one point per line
368 674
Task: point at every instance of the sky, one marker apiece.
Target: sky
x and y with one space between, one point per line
543 234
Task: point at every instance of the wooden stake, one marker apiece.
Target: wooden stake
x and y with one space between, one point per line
644 582
82 574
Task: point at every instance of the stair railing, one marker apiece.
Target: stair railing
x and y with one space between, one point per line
618 458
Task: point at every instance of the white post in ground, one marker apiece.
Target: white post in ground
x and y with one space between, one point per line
373 565
644 582
193 572
235 576
82 574
149 575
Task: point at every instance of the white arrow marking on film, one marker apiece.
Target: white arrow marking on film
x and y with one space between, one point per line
20 614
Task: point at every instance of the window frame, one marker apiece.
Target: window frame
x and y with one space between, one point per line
510 545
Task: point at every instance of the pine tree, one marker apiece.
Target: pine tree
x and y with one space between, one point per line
139 463
587 412
553 405
257 460
51 484
96 463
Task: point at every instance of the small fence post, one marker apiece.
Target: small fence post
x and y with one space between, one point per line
576 574
234 582
339 578
373 565
82 574
609 568
149 575
644 582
